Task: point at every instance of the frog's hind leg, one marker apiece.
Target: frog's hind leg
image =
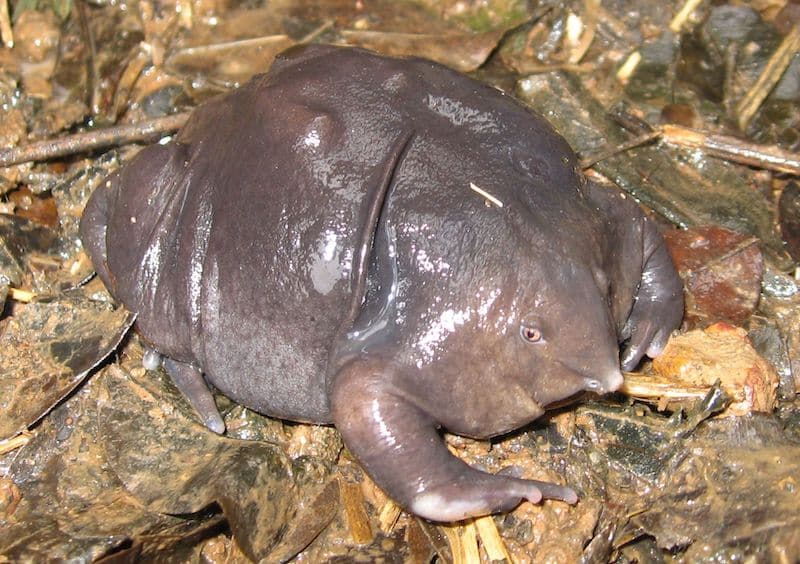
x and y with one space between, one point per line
399 445
189 380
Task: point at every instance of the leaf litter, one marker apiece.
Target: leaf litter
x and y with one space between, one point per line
104 460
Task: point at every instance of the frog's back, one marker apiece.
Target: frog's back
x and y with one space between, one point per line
263 209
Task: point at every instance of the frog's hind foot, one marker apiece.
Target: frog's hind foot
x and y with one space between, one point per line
189 380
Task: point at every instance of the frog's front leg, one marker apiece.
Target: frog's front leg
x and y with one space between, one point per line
399 446
658 305
189 380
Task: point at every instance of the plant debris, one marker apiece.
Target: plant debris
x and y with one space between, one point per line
692 109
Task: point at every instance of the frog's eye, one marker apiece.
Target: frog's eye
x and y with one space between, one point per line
530 333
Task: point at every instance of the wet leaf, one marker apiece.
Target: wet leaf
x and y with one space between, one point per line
464 52
19 239
681 489
47 349
228 64
789 218
750 467
254 483
721 352
721 271
71 506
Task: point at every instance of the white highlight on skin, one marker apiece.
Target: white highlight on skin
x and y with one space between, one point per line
151 262
202 233
325 271
614 381
486 303
425 263
384 430
459 114
435 507
431 340
312 139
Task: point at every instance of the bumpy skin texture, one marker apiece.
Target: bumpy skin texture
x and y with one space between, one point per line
312 246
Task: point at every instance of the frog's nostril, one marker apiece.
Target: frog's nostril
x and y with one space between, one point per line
594 386
611 383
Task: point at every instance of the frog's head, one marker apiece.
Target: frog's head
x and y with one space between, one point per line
560 333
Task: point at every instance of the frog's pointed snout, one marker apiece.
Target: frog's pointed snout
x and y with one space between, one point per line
609 382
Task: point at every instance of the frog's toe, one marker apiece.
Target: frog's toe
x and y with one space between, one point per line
189 380
151 359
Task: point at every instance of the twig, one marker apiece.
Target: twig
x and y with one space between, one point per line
591 160
489 198
768 157
205 50
733 149
6 33
92 140
625 72
776 66
587 31
680 18
308 38
493 544
388 515
92 75
13 443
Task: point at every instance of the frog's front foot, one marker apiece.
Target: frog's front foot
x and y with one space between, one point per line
400 447
189 380
658 306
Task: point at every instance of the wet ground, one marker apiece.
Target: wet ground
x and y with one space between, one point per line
693 110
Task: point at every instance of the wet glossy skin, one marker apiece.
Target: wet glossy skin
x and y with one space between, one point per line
386 245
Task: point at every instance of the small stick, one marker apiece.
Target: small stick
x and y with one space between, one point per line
772 73
355 514
733 149
680 18
13 443
463 541
203 50
6 33
626 70
92 140
92 74
492 541
388 516
588 32
316 32
485 194
20 295
592 160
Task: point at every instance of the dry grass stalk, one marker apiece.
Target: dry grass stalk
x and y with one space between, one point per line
733 149
491 540
772 73
388 516
19 295
629 66
683 14
15 442
6 33
463 539
357 518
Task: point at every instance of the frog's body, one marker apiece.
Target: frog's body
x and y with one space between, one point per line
390 246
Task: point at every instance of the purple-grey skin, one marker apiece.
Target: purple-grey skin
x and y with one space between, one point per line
389 246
